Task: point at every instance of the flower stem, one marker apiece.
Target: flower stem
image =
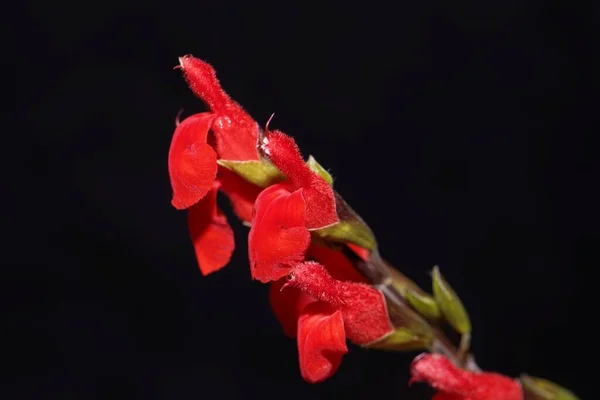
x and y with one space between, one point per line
382 275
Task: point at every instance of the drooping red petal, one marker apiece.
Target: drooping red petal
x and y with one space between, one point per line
321 341
211 235
320 201
240 192
336 263
363 307
278 238
440 373
287 304
192 162
235 131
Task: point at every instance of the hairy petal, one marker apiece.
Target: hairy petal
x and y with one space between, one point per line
235 131
363 307
278 238
321 341
211 235
318 194
287 303
455 383
202 79
241 193
192 162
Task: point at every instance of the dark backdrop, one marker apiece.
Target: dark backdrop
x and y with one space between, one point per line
462 134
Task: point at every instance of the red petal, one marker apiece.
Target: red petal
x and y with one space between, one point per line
287 303
278 238
336 263
364 254
241 193
321 341
192 162
363 307
320 205
211 235
442 374
320 202
236 132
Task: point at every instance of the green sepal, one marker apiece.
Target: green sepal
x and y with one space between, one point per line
424 304
350 228
350 231
401 339
449 303
542 389
260 173
319 170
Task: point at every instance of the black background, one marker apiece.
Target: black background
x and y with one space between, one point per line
461 132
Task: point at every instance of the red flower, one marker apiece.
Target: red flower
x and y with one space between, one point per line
320 327
318 196
287 304
363 307
284 213
193 165
454 383
192 160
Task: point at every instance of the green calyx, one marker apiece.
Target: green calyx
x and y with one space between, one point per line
260 173
450 305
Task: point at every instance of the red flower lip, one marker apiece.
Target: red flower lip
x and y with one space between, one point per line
278 238
192 162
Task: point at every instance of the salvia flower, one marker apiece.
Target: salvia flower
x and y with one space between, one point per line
322 307
200 142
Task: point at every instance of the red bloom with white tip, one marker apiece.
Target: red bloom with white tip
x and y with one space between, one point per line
454 383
